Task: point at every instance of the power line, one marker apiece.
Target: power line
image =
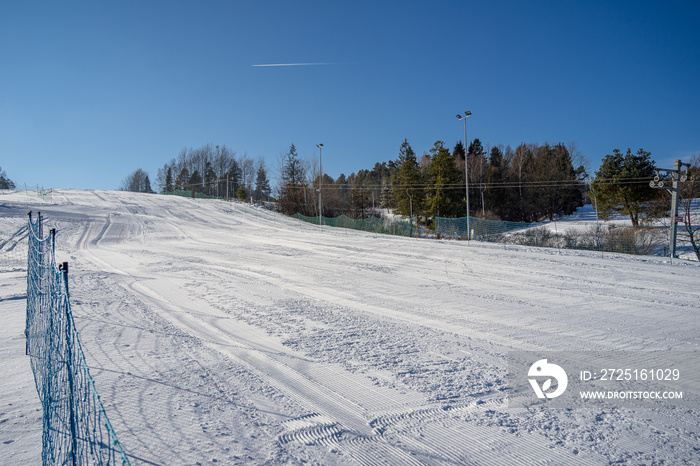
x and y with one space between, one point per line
476 184
480 185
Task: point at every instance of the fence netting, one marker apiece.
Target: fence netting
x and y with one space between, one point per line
372 224
615 238
188 193
76 430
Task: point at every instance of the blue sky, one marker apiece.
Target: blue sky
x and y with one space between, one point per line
92 90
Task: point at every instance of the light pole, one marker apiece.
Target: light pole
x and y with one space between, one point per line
320 181
467 114
218 175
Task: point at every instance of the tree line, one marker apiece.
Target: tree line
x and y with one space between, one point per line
531 182
528 183
210 170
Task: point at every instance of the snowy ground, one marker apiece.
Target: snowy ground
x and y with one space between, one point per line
221 333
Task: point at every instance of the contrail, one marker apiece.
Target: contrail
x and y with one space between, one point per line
296 64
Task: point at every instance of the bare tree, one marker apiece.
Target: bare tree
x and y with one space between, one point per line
247 166
579 161
137 182
222 164
183 163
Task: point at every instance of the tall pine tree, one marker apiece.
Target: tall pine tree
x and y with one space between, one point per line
443 193
293 189
407 185
262 184
168 180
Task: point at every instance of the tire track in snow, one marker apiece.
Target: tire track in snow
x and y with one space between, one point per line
366 450
13 241
338 415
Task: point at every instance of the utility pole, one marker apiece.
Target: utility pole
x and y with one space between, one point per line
677 177
320 184
410 198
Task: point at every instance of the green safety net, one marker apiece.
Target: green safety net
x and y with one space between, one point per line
188 193
477 228
372 224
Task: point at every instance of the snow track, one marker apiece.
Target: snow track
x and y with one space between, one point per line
225 333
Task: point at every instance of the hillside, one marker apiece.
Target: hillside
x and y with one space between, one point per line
225 333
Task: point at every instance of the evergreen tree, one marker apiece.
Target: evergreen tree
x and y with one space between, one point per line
293 190
387 196
262 184
476 148
182 179
478 167
518 208
360 195
558 191
5 182
380 177
408 182
343 193
164 178
621 185
209 178
443 196
195 182
168 180
233 178
459 153
496 196
147 185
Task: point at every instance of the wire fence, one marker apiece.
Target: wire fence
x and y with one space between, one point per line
188 193
40 192
614 238
371 224
76 430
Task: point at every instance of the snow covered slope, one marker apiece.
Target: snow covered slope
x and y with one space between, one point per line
223 333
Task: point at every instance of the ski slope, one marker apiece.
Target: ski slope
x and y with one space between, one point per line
223 333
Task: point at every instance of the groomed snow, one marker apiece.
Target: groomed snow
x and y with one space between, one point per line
223 333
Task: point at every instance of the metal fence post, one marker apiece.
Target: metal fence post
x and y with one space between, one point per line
69 369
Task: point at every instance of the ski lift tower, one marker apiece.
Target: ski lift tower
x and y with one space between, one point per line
677 177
